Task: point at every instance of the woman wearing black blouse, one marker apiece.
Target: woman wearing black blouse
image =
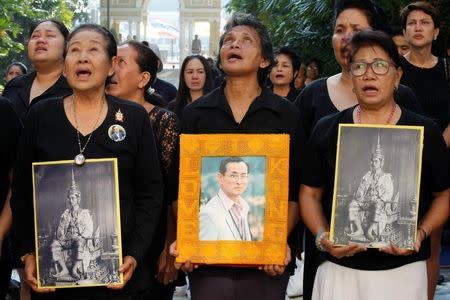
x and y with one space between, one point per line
425 74
244 105
284 72
45 51
330 95
77 125
134 73
388 272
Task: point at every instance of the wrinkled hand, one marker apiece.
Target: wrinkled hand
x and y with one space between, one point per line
187 266
274 270
30 275
127 268
166 267
340 252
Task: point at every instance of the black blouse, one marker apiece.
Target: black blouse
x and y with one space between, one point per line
431 88
18 92
320 171
314 103
49 136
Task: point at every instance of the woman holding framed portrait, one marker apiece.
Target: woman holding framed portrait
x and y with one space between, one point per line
92 125
244 105
387 272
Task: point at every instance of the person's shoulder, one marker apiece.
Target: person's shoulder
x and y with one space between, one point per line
212 205
45 106
414 119
20 81
208 100
164 84
318 84
126 105
333 120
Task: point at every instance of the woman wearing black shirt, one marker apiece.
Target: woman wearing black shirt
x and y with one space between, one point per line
244 105
134 73
425 74
45 51
284 72
62 128
402 272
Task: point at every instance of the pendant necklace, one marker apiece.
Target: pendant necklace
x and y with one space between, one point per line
388 121
79 158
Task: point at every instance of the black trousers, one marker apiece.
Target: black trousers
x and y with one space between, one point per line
237 285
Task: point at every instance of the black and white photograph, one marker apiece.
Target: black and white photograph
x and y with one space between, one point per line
376 193
232 198
77 223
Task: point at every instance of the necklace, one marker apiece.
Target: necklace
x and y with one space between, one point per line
79 158
388 121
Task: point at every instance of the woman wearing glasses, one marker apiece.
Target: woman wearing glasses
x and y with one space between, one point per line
388 272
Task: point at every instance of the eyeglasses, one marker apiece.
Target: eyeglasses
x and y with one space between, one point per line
379 67
236 177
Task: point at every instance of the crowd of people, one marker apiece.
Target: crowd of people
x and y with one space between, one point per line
88 97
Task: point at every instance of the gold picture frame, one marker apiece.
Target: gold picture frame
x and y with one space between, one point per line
377 185
267 160
77 223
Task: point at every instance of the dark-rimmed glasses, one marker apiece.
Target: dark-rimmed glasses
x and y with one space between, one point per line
379 67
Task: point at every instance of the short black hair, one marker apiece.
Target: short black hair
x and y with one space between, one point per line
111 45
426 7
316 61
293 56
396 30
374 13
232 159
372 38
241 19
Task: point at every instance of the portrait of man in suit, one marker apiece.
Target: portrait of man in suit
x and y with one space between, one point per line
225 215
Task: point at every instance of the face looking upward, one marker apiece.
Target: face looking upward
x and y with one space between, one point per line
420 30
87 64
348 22
282 73
235 180
372 89
195 75
240 54
128 80
46 44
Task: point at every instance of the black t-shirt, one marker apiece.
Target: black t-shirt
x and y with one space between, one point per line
431 88
268 113
314 103
49 136
10 124
18 92
320 170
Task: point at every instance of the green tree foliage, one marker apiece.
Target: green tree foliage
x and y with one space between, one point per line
306 25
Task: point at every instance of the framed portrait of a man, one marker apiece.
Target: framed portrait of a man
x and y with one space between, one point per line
377 181
77 223
232 206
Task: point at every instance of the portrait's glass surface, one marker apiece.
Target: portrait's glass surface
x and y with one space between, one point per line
77 223
232 198
377 185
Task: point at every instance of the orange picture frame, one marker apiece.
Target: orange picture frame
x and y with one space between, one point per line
267 156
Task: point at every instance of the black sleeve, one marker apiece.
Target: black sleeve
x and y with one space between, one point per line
407 98
304 105
170 154
296 160
22 193
435 159
314 162
148 192
8 145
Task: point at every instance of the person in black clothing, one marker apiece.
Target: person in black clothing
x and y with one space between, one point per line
332 94
45 51
284 72
133 75
244 105
10 123
374 65
425 74
15 69
62 128
195 81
